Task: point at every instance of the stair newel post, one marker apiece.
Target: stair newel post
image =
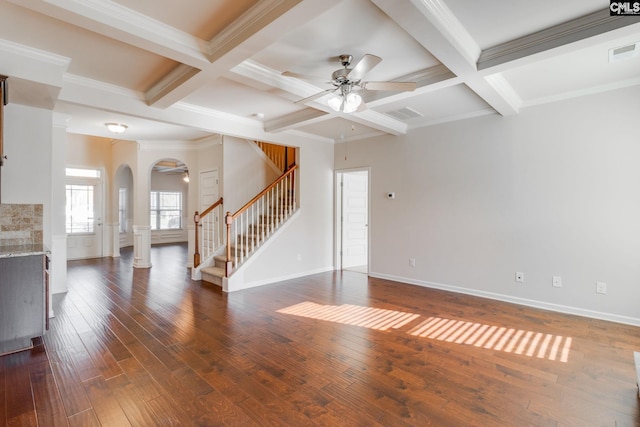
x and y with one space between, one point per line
196 254
229 264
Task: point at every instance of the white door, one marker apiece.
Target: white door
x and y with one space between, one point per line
355 219
209 194
84 219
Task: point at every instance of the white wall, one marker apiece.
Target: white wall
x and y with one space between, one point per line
58 266
30 175
552 191
26 174
246 173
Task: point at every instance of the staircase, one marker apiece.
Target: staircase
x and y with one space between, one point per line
252 225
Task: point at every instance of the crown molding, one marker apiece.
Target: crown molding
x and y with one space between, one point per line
102 86
61 120
559 35
34 54
453 118
583 92
298 134
116 21
377 121
216 114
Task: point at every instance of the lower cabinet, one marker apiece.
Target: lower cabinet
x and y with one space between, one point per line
23 301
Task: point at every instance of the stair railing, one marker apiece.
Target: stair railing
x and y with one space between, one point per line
259 218
282 156
208 232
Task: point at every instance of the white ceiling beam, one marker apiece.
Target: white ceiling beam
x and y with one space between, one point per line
295 120
259 27
527 49
117 22
105 97
433 25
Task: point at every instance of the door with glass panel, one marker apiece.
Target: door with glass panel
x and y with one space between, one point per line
83 213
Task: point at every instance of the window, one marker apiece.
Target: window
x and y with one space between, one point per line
166 210
122 209
80 208
82 173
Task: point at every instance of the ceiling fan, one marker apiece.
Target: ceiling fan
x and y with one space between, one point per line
348 82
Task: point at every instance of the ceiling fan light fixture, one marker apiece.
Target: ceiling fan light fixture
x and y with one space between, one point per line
352 102
335 102
116 127
347 103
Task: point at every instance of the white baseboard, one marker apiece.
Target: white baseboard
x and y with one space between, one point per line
230 285
515 300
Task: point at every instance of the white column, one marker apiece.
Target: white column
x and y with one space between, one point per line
141 246
113 233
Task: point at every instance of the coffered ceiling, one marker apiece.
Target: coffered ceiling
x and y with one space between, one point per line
184 70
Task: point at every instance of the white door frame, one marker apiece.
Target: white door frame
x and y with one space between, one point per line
338 215
100 198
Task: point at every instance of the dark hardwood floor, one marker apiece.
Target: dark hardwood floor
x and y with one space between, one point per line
153 348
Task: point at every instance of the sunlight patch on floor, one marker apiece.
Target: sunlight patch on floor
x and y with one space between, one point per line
367 317
509 340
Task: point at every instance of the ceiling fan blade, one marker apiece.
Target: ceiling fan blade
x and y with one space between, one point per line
363 66
304 77
391 86
362 107
316 96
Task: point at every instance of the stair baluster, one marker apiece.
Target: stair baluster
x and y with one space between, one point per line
207 232
252 224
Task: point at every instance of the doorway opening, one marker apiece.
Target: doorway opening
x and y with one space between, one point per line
352 219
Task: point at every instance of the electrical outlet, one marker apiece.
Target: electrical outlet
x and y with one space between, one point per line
601 288
412 262
519 277
556 281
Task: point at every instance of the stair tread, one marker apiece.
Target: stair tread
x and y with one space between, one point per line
214 271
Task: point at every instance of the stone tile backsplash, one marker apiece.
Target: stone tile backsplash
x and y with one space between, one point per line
20 224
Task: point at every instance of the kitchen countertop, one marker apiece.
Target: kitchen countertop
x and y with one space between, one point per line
13 251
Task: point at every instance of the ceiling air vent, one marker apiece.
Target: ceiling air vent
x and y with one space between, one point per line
405 113
624 52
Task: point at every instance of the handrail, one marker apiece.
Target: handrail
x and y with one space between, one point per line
197 217
264 213
210 208
265 191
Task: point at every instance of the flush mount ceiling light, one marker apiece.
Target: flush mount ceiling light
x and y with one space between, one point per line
116 127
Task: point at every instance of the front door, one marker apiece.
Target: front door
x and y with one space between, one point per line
84 219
